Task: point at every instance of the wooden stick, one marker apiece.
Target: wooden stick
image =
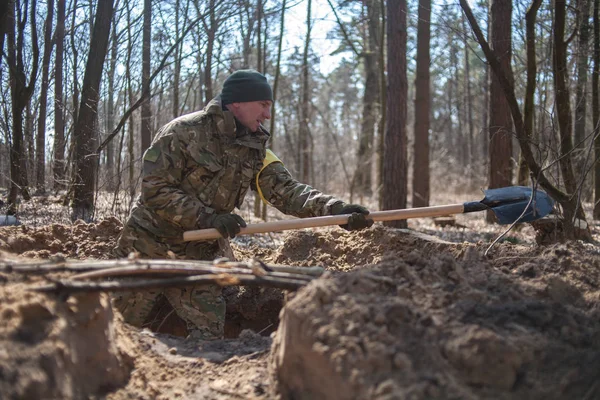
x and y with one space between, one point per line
176 270
46 266
66 287
276 226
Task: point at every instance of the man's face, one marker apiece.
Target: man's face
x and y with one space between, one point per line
252 113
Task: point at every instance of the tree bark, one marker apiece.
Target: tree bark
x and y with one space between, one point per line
305 151
21 92
381 127
569 203
86 126
40 143
58 167
561 88
146 123
528 109
500 124
581 85
371 105
596 108
110 109
421 189
395 154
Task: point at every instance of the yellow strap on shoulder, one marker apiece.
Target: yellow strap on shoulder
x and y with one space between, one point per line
269 159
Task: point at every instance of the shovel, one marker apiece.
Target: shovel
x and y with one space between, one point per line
509 204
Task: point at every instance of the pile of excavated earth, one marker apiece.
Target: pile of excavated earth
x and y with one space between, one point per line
397 315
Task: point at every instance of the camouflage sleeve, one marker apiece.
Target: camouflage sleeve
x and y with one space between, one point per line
292 197
164 163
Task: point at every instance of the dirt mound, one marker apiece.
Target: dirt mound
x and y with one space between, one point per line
398 315
80 240
338 250
425 326
56 349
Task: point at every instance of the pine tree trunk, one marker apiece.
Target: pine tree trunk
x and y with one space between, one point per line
596 108
86 127
146 123
421 188
305 151
395 156
500 124
58 167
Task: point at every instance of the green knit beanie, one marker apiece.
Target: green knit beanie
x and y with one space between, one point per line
245 85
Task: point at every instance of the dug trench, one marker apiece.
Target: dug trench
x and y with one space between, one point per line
397 315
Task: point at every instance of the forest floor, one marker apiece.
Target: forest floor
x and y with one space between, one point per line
421 313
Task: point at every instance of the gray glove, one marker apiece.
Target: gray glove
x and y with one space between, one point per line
228 225
358 218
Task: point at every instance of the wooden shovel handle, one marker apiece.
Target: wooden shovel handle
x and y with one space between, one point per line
300 223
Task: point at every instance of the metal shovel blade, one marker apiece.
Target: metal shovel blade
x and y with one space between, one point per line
511 204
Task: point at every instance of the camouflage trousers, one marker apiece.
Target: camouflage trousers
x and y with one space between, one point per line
202 307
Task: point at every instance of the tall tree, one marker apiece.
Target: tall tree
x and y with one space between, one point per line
596 108
422 108
582 78
367 50
58 167
395 153
5 8
382 100
40 143
371 97
500 120
86 126
561 88
146 123
570 204
21 91
528 108
304 139
110 104
211 33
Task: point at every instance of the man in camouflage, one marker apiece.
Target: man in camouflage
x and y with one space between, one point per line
197 170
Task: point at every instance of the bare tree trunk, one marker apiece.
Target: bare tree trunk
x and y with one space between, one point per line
40 143
596 108
582 77
500 149
561 88
110 110
130 125
395 156
469 109
5 8
86 135
259 68
146 123
570 204
305 159
75 52
485 138
420 197
58 167
28 161
381 127
209 52
21 93
371 99
528 109
459 139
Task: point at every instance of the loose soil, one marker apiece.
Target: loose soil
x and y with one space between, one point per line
399 314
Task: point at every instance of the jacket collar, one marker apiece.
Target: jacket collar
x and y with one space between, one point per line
230 128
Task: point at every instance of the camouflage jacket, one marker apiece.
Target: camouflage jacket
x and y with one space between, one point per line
201 164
